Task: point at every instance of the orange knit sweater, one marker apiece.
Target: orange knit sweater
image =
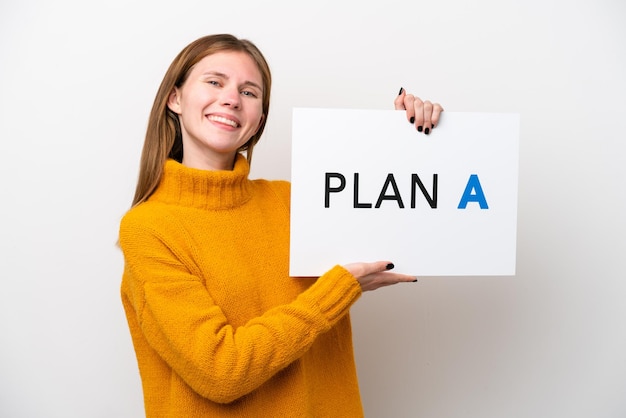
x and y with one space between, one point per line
219 327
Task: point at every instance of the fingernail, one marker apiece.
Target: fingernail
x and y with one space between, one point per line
419 129
414 280
401 90
427 131
412 120
390 266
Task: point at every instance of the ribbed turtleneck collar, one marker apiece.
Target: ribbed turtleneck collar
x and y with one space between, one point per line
204 189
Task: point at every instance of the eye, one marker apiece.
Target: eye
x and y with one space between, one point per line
213 82
248 93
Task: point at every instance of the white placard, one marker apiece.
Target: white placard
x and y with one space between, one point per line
367 186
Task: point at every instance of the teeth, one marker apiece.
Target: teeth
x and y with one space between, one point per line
221 119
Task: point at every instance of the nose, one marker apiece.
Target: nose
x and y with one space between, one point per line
231 98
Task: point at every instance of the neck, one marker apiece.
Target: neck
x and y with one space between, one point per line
210 162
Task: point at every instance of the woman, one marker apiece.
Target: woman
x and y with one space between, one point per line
219 327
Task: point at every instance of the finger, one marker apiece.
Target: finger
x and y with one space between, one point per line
428 112
377 280
359 270
437 109
418 105
409 105
393 278
398 102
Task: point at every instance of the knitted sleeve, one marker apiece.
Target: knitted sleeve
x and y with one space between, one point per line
182 324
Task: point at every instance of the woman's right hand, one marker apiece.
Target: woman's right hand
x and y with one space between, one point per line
371 276
424 114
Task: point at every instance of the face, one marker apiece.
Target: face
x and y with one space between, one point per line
219 108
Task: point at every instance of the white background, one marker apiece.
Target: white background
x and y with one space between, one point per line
77 80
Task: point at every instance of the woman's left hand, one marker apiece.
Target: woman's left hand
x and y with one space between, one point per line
424 114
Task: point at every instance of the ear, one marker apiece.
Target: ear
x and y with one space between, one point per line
173 102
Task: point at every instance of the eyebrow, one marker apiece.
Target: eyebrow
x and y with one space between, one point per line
246 83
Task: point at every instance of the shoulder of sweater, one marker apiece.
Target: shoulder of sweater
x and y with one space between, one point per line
281 189
147 216
148 223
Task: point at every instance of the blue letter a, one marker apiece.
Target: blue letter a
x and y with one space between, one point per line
473 185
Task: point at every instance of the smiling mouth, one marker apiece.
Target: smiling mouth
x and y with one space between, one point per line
224 120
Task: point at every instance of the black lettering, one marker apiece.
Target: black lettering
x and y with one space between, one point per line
432 201
329 190
356 194
396 196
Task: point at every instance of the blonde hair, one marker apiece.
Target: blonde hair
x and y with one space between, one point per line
163 136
